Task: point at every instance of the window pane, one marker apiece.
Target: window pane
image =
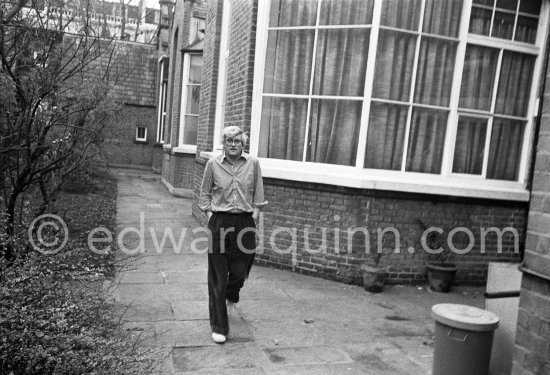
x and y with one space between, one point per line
470 145
507 4
190 130
334 131
341 62
293 13
394 65
288 62
403 14
526 29
426 140
141 132
514 86
349 12
435 71
478 77
386 135
165 69
530 6
505 149
442 17
283 128
485 2
195 68
193 99
480 21
503 25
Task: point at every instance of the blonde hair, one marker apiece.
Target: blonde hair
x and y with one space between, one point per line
233 131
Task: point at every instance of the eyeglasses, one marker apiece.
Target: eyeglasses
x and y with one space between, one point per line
230 142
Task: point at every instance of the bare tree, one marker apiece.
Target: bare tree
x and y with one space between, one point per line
54 104
139 19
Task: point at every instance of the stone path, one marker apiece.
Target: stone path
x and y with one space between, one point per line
286 323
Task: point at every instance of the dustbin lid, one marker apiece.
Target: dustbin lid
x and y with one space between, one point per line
465 317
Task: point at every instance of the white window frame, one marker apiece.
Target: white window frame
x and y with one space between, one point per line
161 112
138 138
183 147
445 183
222 74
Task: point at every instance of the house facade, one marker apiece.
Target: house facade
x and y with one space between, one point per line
385 129
374 121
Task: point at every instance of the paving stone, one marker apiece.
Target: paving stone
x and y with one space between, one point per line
162 292
140 332
287 333
141 263
140 277
187 276
179 333
252 291
307 355
239 330
307 293
190 310
174 262
270 310
229 357
144 312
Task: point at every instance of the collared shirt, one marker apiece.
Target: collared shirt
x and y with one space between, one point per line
232 187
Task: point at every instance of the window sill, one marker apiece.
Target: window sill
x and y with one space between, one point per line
140 141
185 149
457 186
166 146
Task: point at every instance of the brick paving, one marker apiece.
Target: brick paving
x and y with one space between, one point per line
286 323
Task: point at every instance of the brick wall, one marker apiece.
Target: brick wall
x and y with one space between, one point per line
121 148
209 77
334 210
135 71
157 158
240 69
532 347
137 65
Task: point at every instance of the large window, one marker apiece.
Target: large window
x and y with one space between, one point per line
190 97
399 87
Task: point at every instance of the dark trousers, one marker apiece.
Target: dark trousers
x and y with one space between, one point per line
230 258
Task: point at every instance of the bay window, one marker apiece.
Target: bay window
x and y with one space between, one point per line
399 89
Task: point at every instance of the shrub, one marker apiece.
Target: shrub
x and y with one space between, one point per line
56 319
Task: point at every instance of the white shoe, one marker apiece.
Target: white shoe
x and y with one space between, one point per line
218 338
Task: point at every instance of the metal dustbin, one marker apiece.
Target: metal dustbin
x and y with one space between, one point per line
463 339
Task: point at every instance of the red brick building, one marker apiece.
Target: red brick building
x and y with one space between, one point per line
130 142
369 115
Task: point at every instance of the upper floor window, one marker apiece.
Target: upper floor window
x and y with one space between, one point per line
163 90
399 87
190 98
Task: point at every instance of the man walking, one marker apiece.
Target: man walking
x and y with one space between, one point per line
231 195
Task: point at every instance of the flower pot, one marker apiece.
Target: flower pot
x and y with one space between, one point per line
373 278
440 277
